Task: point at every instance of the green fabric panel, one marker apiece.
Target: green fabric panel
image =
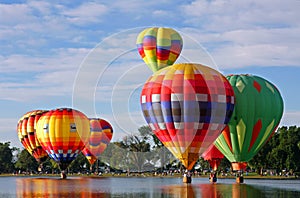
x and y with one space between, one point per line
241 130
262 141
152 32
221 144
164 42
176 36
140 37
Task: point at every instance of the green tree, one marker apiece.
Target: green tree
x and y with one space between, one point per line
224 165
291 148
150 137
80 164
159 154
280 152
26 162
6 158
49 166
116 156
139 151
203 164
136 146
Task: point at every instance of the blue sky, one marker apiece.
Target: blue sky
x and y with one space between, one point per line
82 54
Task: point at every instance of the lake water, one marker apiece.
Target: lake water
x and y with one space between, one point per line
144 187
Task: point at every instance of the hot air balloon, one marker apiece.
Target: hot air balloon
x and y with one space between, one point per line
257 113
100 135
187 106
63 133
214 158
27 134
159 47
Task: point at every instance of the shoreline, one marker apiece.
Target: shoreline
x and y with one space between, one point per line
108 175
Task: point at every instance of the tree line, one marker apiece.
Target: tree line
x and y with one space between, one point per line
142 151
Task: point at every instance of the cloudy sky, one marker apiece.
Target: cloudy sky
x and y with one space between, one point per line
82 54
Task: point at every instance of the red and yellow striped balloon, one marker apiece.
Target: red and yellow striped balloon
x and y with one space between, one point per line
63 133
27 134
101 134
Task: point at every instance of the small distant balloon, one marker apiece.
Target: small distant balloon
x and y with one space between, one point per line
159 47
101 133
213 156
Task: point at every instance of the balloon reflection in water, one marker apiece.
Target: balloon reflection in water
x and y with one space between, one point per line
182 191
212 191
229 190
45 187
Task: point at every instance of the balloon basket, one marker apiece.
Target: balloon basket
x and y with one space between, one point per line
187 179
213 180
63 175
240 179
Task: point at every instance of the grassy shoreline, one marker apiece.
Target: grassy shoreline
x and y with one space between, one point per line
107 175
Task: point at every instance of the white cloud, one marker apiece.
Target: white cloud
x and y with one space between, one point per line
290 118
64 58
262 55
129 5
160 13
25 78
12 14
240 33
89 12
219 15
41 7
8 131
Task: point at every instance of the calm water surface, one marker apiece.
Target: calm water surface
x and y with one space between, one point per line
144 187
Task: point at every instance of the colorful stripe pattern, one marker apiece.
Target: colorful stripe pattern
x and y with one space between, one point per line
101 133
63 134
159 47
257 113
187 106
27 134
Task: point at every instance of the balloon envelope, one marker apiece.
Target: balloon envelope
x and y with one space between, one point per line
187 106
257 113
159 47
63 134
213 156
100 135
27 134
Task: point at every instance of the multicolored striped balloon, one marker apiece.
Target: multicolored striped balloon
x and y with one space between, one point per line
101 133
27 134
63 133
213 156
187 106
257 113
159 47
